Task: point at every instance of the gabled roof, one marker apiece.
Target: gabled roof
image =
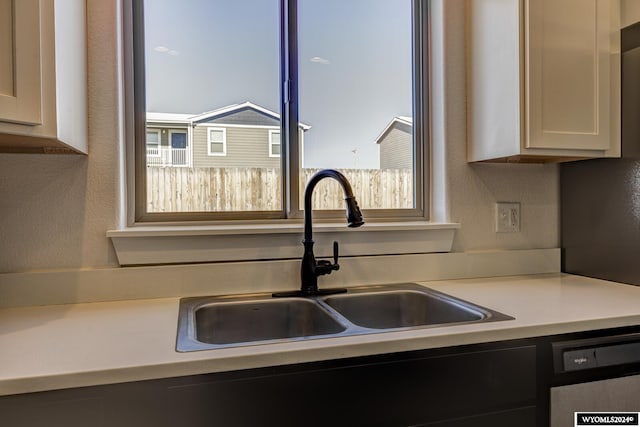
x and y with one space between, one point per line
213 114
208 115
405 120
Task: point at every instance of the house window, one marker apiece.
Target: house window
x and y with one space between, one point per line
178 139
153 143
327 75
217 142
274 143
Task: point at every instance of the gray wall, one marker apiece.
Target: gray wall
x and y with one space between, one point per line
246 147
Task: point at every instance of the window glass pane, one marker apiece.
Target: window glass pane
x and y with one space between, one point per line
355 65
274 143
153 138
275 138
178 140
216 135
153 150
216 142
212 63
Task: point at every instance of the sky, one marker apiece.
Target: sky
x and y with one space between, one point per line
354 62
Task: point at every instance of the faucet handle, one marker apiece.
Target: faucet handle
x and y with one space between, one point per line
326 267
335 266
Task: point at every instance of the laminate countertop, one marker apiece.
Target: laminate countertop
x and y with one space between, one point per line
64 346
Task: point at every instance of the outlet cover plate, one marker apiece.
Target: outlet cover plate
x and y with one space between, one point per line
507 217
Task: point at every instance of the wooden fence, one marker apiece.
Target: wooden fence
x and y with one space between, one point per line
175 189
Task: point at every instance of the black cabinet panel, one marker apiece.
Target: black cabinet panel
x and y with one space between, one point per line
521 417
405 392
53 412
483 384
139 404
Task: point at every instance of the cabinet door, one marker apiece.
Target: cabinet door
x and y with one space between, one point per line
494 92
20 89
569 61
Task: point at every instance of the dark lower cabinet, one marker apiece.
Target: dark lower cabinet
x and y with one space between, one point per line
520 417
480 385
393 392
50 410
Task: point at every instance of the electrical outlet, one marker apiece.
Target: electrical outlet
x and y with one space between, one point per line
507 217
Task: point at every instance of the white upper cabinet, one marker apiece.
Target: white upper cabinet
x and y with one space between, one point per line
20 51
543 80
43 95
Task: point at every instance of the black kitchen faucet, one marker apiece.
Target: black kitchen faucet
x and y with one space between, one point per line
311 269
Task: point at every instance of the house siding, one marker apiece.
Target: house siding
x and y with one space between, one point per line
246 147
396 148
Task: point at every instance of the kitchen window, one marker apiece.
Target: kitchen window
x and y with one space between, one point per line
336 74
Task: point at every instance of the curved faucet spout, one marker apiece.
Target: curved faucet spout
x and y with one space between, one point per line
354 216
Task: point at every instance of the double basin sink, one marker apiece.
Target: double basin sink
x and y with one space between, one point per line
238 320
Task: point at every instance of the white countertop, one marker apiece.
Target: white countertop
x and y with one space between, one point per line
63 346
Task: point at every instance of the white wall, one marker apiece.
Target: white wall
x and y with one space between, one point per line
629 12
55 210
473 189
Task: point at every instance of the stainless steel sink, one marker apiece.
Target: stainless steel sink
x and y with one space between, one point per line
273 319
240 320
401 309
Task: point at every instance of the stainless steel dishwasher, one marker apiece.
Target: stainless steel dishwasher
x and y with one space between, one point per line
617 358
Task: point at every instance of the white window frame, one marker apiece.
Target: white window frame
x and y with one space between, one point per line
271 143
292 205
224 141
136 241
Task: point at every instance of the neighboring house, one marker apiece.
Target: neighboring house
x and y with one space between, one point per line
396 144
168 137
241 135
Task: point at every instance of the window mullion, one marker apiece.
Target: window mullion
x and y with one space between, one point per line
421 105
289 106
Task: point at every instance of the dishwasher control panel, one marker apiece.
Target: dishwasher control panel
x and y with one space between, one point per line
596 353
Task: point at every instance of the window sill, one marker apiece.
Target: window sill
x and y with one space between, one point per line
144 245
